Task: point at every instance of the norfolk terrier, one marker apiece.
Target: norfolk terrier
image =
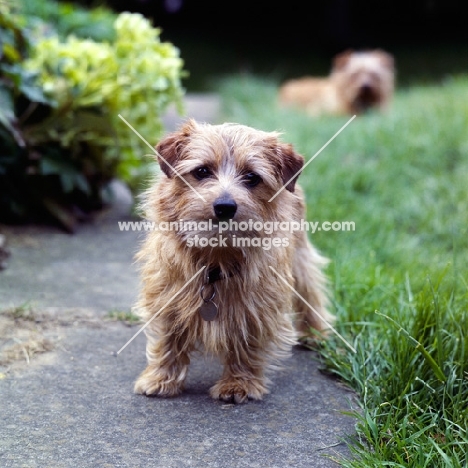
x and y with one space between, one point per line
247 303
359 81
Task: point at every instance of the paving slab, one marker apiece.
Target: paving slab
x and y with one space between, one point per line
77 409
66 397
92 269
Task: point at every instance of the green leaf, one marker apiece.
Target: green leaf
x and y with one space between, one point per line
7 115
70 176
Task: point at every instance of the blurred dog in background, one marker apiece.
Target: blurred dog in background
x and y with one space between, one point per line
358 81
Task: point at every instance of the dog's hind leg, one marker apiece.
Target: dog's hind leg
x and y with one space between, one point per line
311 301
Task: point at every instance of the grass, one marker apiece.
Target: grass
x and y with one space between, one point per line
123 316
21 312
400 279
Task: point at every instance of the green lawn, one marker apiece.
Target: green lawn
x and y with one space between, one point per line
400 280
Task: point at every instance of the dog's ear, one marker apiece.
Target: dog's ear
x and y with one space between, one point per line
385 58
291 164
341 60
170 147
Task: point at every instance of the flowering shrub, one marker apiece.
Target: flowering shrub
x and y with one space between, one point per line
136 76
72 135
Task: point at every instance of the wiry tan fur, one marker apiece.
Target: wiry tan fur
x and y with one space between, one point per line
254 329
359 81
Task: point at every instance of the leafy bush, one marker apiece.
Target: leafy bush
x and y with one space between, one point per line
61 137
70 19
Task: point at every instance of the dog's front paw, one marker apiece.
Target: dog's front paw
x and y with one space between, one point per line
155 383
238 391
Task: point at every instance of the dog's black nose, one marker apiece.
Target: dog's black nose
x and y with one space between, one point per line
225 208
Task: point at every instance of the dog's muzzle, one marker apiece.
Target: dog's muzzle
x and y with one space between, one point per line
368 94
224 208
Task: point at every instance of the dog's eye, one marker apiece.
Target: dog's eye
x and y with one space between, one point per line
251 179
201 173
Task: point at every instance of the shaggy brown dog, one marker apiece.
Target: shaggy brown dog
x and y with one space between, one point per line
358 81
237 307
